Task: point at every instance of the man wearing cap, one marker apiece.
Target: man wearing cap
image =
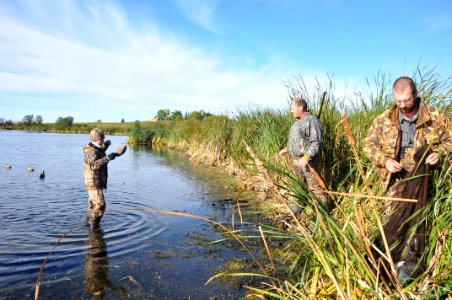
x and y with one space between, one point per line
95 173
305 138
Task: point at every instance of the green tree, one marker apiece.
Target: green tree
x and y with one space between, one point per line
198 115
176 115
162 114
38 119
28 119
65 122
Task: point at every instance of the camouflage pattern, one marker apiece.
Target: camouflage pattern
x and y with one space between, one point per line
96 204
383 140
305 136
95 174
95 171
311 181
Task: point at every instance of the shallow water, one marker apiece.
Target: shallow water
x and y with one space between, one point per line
133 254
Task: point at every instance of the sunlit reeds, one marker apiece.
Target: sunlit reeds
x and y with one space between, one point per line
323 255
329 253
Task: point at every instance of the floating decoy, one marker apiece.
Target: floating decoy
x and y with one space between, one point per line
8 166
30 169
42 175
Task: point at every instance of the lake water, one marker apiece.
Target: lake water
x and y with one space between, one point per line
134 254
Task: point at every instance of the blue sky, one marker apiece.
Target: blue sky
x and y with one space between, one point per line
110 60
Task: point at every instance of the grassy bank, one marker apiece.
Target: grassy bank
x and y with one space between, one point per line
315 254
123 128
323 255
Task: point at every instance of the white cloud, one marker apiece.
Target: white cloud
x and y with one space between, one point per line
200 12
118 68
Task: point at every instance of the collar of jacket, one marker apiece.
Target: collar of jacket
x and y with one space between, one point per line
96 147
423 117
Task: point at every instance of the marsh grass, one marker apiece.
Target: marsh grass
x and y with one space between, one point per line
326 255
322 255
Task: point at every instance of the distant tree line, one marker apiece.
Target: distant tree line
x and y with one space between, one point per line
30 121
166 114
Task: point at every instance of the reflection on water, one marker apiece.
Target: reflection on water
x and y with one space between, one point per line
128 255
96 263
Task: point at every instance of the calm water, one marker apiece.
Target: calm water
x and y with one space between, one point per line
133 254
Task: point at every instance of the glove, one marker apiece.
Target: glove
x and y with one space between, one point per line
107 144
112 155
121 150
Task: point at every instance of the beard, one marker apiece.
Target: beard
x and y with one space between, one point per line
411 109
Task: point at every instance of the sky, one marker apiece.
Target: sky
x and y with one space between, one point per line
126 59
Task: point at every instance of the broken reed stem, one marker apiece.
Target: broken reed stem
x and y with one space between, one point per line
317 177
266 247
359 212
235 236
263 171
355 153
321 257
372 197
38 282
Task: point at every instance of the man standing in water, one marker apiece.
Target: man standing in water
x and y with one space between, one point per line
95 173
305 138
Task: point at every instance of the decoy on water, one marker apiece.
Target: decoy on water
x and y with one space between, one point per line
42 175
30 169
8 166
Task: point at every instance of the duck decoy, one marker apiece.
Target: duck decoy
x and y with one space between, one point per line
30 169
8 166
42 175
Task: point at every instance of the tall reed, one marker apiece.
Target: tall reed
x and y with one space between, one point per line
327 255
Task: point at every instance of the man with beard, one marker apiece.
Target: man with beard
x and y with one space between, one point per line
404 143
409 125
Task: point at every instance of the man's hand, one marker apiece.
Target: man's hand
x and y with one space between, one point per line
432 159
283 152
112 155
392 166
301 162
107 144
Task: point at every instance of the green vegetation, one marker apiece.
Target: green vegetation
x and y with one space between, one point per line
66 125
323 255
318 254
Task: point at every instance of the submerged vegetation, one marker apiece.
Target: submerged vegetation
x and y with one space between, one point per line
322 255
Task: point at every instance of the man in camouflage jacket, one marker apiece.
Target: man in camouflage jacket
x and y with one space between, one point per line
305 138
410 124
95 173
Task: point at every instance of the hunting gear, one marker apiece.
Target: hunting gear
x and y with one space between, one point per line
403 142
95 172
305 139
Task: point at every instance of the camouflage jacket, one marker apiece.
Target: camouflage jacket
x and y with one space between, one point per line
95 171
305 136
383 140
